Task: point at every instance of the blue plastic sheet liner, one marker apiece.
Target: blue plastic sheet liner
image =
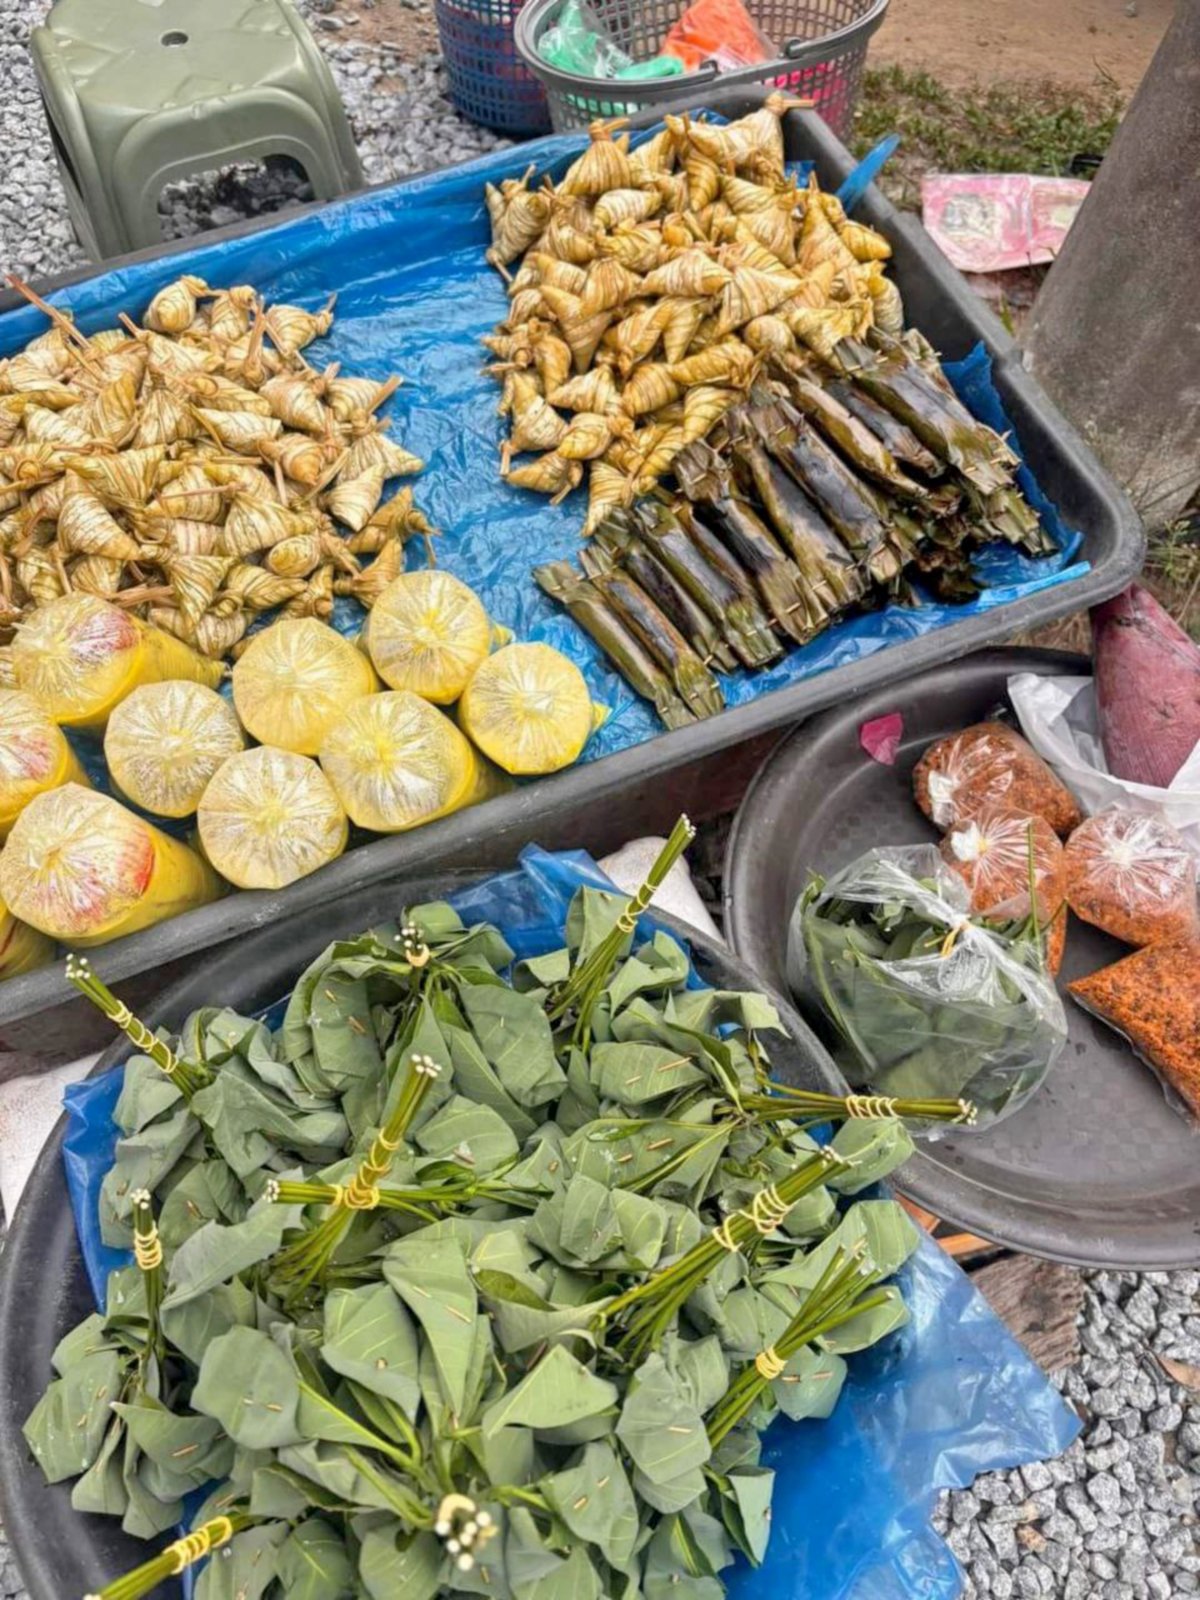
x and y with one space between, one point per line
950 1395
415 296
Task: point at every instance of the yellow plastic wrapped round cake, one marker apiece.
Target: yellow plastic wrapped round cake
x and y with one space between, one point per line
34 755
82 868
295 680
164 742
270 817
79 656
397 761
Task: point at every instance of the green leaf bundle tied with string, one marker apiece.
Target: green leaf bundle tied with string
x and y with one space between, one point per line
471 1277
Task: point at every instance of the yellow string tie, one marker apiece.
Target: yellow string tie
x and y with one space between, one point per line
134 1028
195 1546
148 1250
338 1198
870 1106
722 1234
627 921
360 1196
951 938
770 1364
768 1209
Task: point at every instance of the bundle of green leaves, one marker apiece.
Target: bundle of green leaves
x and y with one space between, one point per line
471 1277
927 999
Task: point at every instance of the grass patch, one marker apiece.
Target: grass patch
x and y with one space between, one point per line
1008 127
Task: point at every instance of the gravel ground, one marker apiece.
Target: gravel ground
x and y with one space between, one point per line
1113 1519
402 121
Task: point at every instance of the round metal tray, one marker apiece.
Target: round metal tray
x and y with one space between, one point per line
44 1291
1097 1169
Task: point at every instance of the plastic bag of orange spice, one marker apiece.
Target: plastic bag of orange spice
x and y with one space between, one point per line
1008 860
1153 998
1002 856
990 765
1133 876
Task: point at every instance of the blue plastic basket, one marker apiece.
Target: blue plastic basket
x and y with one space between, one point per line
489 82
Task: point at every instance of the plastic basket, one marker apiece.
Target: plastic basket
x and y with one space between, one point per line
822 51
489 82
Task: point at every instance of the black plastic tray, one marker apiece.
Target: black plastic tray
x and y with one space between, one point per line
642 788
1097 1169
44 1291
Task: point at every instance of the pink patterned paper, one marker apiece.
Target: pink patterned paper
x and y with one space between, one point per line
992 222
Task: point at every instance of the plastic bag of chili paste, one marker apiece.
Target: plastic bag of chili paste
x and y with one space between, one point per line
1153 998
990 764
1008 860
1133 876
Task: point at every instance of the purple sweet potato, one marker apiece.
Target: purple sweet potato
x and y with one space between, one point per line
1147 674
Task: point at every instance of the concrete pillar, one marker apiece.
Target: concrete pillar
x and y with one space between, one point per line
1114 336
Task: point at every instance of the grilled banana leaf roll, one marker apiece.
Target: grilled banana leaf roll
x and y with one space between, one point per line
834 577
852 509
733 605
898 439
620 546
589 609
693 682
891 376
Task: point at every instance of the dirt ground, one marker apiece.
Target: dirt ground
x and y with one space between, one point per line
412 31
1076 43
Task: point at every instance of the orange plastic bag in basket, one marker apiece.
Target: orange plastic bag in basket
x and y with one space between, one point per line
717 30
1132 875
990 765
1001 856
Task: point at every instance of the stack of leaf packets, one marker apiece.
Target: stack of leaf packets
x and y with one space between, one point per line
472 1277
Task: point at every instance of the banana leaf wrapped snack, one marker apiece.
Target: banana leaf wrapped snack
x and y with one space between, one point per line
595 616
83 869
34 756
164 742
269 817
924 999
295 680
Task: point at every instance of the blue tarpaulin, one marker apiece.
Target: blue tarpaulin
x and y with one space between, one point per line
414 297
949 1396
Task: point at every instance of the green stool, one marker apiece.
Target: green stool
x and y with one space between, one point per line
141 93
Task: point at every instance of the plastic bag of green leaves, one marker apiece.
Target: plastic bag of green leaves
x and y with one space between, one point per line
927 1001
578 42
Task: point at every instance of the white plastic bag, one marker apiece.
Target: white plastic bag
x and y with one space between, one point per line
1058 717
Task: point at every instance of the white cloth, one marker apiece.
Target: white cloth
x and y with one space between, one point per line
29 1108
628 866
1058 716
